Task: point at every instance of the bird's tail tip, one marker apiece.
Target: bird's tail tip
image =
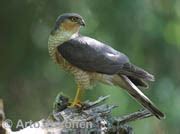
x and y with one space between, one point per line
160 115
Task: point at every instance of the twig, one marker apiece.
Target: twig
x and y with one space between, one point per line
88 104
133 116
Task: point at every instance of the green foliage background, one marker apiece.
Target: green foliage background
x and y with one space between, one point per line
148 31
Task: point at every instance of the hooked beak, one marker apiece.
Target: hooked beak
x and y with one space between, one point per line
81 22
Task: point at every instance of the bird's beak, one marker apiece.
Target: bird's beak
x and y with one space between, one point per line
82 22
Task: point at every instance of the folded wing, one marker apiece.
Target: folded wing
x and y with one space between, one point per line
91 55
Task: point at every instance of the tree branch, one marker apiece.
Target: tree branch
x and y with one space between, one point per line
89 118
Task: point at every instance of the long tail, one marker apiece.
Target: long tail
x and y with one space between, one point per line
131 88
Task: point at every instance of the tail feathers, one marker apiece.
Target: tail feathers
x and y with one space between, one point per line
125 82
139 82
137 72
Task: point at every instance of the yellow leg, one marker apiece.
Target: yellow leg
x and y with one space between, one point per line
78 96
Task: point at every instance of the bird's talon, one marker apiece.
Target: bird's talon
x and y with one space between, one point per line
77 104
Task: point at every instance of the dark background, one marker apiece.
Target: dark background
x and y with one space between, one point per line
148 31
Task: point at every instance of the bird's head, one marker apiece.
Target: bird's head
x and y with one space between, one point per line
68 22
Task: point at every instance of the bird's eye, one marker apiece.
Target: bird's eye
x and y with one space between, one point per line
73 19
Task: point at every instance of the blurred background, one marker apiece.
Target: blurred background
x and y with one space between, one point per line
148 31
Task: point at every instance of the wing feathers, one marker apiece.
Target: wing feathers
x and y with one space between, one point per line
91 55
134 71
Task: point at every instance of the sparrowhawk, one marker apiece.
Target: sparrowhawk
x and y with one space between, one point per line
90 60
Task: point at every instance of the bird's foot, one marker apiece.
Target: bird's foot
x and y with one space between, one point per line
77 104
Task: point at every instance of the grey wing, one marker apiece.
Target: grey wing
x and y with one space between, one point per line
91 55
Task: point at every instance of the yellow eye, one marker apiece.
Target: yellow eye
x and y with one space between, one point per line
73 19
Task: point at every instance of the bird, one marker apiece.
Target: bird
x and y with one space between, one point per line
91 61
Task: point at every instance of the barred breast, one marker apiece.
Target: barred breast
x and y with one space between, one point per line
83 78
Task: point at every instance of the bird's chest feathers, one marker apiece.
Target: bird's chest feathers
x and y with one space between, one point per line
56 40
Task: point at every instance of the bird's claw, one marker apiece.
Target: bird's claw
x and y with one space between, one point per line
76 104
